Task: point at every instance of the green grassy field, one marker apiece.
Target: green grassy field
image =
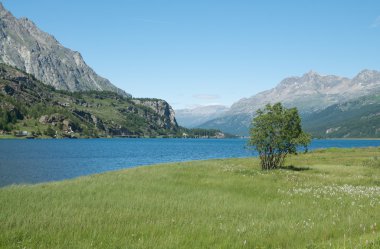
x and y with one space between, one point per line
326 199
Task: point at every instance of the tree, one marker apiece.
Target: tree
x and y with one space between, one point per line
276 132
50 132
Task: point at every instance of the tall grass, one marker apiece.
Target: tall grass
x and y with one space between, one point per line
324 199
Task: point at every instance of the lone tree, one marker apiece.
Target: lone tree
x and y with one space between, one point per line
276 132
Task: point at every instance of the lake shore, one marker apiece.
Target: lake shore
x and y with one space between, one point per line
328 198
42 160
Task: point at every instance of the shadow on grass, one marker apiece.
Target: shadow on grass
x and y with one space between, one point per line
295 168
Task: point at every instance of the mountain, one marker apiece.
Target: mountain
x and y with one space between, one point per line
28 105
30 108
233 124
312 92
25 46
309 93
193 117
353 119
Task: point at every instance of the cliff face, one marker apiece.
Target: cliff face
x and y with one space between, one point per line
25 46
163 109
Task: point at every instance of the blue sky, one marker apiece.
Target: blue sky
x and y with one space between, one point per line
202 52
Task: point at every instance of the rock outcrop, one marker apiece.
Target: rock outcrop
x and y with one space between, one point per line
162 109
25 46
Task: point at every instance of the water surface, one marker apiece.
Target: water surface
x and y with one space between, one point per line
34 161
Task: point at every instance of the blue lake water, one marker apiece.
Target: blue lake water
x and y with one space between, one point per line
34 161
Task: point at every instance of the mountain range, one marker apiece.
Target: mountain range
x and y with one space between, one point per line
25 46
46 85
313 94
199 115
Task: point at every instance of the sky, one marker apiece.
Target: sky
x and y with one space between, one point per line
204 52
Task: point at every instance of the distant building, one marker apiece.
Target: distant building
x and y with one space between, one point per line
21 133
219 135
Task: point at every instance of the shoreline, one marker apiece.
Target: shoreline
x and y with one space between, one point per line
2 137
212 200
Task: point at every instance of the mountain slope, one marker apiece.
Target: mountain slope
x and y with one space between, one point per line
28 105
28 48
31 108
199 115
309 93
233 124
357 118
312 91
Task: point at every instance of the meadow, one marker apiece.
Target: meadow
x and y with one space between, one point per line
324 199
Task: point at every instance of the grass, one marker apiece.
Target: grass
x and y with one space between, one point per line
325 199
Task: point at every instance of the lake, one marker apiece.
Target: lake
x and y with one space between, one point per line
34 161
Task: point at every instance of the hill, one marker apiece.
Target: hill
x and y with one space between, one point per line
28 105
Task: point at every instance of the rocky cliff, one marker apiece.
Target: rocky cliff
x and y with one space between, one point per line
163 109
25 46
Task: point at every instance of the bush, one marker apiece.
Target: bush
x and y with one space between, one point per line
50 132
276 132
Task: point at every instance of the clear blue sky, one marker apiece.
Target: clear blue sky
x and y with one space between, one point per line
201 52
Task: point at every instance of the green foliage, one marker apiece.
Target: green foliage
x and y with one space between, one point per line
8 119
200 133
276 132
50 132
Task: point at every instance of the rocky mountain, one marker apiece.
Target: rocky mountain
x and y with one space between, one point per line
25 46
28 105
193 117
310 93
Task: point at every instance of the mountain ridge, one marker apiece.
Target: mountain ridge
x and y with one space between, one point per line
292 89
25 46
310 93
192 117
